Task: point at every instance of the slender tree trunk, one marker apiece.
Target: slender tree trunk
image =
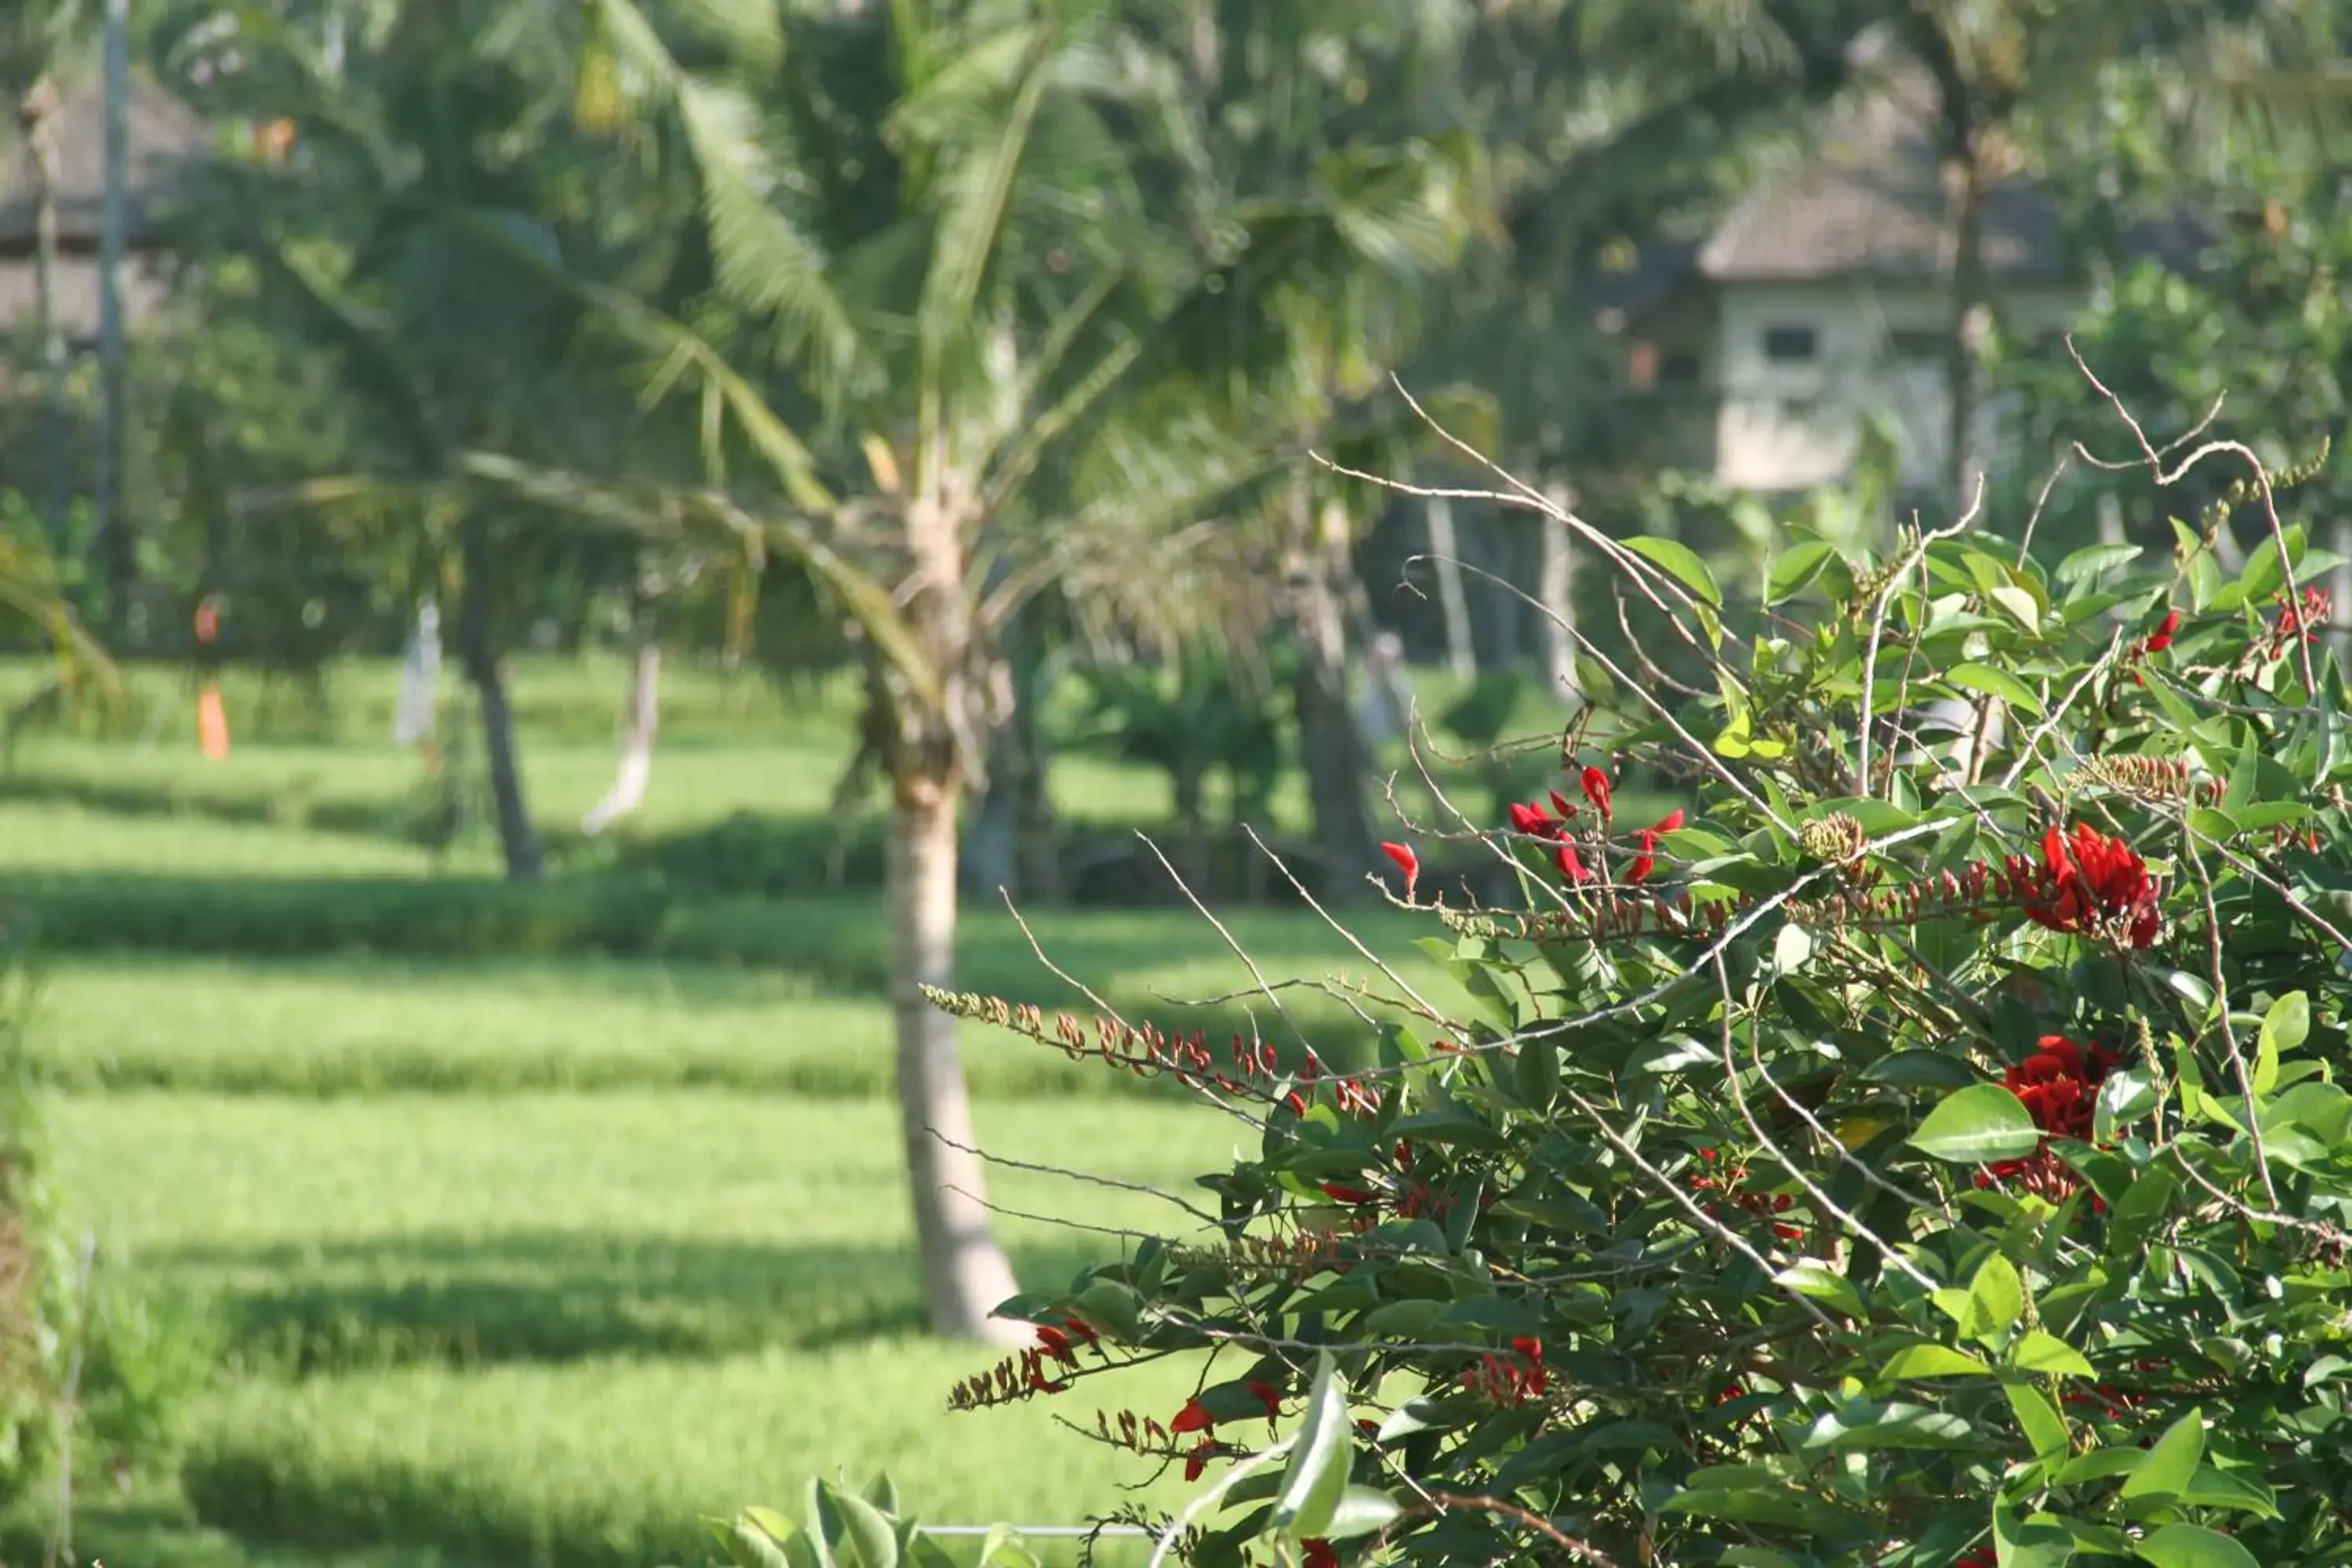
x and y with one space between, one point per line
109 517
1445 553
38 115
1555 589
1330 748
1970 313
477 647
966 1275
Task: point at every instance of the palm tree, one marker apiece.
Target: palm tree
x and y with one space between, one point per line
934 262
1338 151
431 182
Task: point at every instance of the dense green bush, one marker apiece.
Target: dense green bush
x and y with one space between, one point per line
87 1354
1917 1148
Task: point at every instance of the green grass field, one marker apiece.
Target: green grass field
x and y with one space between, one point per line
534 1226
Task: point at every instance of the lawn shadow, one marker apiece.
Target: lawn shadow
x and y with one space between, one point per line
549 1297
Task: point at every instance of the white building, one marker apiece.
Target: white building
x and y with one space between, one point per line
1823 298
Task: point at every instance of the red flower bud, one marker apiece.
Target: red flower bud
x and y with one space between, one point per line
1406 861
1596 790
1193 1418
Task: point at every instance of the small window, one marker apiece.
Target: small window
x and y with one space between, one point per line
1679 368
1790 345
1914 345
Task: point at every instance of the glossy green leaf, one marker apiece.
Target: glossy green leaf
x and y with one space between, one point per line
1925 1361
1978 1125
2172 1463
2040 1352
1681 563
2193 1546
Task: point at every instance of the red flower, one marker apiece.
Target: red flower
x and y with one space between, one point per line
1193 1418
1198 1459
1055 1344
1982 1557
1530 1348
2161 638
2087 881
2059 1085
1269 1395
1571 865
1079 1329
1339 1192
1537 823
1596 790
1320 1554
1406 861
1645 861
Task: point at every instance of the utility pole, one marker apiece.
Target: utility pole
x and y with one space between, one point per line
112 528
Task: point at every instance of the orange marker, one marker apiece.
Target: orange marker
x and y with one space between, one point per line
212 719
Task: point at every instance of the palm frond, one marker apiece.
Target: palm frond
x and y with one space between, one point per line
765 262
665 512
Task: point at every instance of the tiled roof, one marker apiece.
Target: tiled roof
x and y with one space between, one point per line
1872 203
162 131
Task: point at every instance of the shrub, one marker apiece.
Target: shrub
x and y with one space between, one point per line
83 1347
1917 1148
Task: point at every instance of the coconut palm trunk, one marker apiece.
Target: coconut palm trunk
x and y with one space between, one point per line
966 1275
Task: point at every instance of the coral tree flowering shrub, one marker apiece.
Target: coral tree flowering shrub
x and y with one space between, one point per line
1913 1151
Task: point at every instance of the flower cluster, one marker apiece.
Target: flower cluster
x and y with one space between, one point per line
1509 1380
2306 617
1726 1182
1195 1416
2088 882
2059 1085
1557 828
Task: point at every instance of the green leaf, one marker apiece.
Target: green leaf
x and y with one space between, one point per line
1817 1281
1996 1299
2193 1546
2021 605
1871 1424
2231 1489
864 1538
2041 1421
2094 561
1932 1361
1795 568
1681 563
1919 1069
2040 1351
1361 1512
2127 1095
2037 1542
2172 1463
1978 1125
1539 1073
1316 1475
1994 681
2286 1026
